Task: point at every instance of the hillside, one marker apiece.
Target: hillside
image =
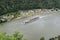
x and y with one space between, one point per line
8 6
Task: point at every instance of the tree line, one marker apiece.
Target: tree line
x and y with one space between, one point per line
8 6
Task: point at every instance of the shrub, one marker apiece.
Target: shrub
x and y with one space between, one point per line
42 38
15 36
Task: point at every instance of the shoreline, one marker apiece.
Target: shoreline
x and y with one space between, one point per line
17 16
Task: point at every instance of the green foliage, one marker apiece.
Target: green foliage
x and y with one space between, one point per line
55 38
15 36
42 38
8 6
59 37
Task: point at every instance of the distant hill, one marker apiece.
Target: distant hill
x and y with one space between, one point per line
7 6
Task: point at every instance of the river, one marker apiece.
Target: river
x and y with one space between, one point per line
47 26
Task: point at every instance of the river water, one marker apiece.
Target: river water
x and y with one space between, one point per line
47 26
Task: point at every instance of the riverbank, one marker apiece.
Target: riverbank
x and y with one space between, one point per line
24 14
17 15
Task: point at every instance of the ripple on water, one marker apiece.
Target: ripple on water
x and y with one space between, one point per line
47 26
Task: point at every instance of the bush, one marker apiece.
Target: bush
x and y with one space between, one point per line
15 36
42 38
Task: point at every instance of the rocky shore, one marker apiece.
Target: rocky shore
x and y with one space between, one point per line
25 14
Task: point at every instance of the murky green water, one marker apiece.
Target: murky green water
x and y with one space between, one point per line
48 26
